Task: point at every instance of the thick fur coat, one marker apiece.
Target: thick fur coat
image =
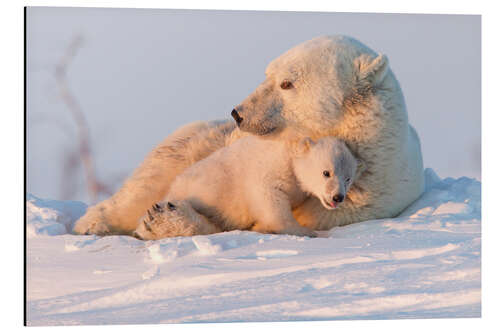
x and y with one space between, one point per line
254 184
328 86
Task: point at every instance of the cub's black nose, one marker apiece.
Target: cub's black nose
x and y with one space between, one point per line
338 198
236 116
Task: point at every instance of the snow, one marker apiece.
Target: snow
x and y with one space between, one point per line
423 264
50 217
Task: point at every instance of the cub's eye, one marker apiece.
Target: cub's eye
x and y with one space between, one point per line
348 180
286 85
326 174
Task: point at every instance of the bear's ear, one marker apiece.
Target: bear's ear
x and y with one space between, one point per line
304 145
372 70
361 167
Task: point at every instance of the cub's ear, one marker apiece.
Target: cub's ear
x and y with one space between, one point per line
372 70
361 167
304 145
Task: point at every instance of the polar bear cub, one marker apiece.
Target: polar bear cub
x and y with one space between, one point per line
253 184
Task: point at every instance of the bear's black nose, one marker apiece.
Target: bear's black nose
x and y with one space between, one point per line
338 198
236 116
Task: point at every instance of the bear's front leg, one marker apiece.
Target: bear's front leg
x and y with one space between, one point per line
275 217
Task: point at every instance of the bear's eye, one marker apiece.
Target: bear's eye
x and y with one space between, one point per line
326 173
286 85
347 180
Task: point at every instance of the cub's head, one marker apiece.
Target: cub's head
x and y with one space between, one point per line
166 219
326 169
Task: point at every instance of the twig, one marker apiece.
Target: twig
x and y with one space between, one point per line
94 187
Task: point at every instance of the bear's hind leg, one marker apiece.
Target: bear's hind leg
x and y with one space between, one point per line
151 181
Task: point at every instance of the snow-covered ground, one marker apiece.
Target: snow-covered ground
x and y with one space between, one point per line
424 264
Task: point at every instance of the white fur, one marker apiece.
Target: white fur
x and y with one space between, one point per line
253 185
180 219
340 88
149 183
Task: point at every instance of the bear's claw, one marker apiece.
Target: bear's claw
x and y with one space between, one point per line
157 208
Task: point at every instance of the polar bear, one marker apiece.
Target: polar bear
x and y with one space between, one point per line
254 184
328 86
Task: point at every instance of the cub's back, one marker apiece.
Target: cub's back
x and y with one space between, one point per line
222 185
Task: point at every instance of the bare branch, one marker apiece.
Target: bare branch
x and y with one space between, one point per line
94 187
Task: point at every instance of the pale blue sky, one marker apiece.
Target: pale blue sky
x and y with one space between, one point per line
144 72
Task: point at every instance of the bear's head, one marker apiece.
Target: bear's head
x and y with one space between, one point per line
309 87
326 169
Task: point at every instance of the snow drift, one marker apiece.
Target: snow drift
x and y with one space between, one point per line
423 264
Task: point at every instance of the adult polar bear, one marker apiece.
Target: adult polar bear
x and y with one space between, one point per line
328 86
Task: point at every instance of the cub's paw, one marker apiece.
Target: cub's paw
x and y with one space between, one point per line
164 219
148 225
